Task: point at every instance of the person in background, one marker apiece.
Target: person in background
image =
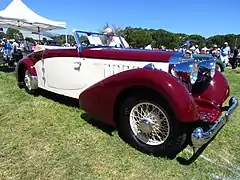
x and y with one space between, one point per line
15 45
184 48
27 46
8 49
215 52
197 51
225 53
234 58
188 54
110 40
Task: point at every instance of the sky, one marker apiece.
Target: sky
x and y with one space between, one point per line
204 17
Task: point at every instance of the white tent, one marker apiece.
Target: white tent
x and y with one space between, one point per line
205 49
35 36
18 16
192 48
148 47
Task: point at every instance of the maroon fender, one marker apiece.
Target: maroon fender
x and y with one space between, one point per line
216 92
99 100
28 64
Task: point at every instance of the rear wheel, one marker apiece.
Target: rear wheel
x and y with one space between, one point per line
150 126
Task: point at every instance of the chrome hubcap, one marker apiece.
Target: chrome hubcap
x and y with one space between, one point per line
149 123
145 126
27 80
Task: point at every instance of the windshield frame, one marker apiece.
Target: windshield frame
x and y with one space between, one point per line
80 46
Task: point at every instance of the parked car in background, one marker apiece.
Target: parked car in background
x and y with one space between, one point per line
157 102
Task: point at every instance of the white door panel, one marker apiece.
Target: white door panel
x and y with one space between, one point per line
64 73
93 72
70 76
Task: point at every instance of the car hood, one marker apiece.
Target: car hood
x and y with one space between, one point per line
128 54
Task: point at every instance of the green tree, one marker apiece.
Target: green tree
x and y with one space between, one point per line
29 39
197 40
2 35
14 34
138 37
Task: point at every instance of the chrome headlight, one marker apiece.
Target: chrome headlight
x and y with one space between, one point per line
207 68
186 71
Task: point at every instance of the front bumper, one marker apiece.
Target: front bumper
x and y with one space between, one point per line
199 137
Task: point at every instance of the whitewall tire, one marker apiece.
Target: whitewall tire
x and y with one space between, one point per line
28 84
148 124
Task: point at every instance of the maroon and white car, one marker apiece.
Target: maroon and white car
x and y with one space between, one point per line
157 101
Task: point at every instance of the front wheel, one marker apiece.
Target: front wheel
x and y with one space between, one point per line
150 126
28 83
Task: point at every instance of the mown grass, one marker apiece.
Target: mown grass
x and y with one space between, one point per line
43 139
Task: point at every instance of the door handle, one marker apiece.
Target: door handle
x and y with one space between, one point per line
77 65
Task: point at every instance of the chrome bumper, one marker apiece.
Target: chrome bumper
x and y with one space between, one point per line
199 137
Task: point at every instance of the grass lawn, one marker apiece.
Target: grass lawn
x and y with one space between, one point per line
44 139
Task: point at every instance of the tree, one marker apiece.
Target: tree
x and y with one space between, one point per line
165 38
197 40
29 39
137 37
2 35
14 34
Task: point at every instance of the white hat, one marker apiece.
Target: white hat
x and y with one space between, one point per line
196 46
226 43
108 31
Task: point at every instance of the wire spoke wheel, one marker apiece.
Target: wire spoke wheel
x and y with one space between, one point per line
149 123
27 80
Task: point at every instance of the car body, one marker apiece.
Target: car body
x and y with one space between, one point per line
154 100
220 66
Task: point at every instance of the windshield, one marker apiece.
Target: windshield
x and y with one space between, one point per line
90 39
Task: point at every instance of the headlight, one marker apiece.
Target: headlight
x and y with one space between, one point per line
187 71
207 68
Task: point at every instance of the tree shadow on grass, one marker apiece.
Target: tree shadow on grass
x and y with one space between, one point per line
72 102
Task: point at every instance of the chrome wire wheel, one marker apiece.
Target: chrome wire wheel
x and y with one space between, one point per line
149 123
27 80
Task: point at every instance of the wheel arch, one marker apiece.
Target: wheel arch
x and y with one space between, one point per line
20 72
131 91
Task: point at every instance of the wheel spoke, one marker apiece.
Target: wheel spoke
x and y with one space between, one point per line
149 123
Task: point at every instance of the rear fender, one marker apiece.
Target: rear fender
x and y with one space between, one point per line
99 100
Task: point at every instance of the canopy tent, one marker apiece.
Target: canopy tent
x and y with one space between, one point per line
192 48
35 36
18 16
205 49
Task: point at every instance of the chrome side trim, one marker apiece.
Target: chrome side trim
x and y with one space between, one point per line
199 137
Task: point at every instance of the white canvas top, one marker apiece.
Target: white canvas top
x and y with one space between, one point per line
18 15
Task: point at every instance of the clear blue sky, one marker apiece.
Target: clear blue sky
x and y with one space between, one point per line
204 17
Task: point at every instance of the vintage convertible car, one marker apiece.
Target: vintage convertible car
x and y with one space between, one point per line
157 102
